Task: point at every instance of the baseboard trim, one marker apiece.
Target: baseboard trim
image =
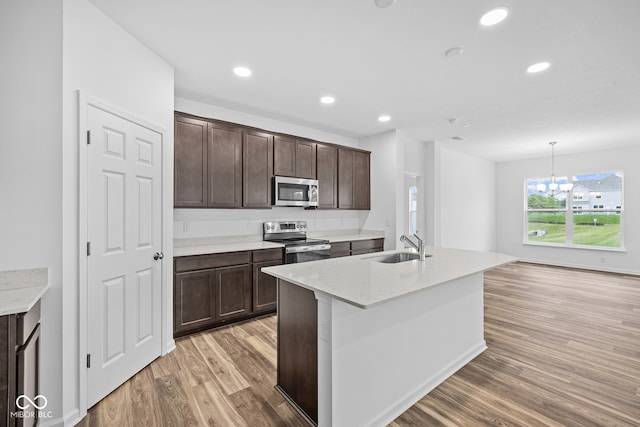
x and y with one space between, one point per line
580 266
410 399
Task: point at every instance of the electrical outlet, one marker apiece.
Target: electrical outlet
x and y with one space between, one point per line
387 223
185 227
603 260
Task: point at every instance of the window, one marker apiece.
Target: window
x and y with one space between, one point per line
413 209
566 219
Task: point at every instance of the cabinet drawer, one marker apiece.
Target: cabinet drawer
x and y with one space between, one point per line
27 322
201 262
267 255
339 247
361 245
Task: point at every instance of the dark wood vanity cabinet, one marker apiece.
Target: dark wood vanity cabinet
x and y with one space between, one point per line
327 174
19 360
217 289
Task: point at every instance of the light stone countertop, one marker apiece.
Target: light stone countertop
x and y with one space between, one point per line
21 289
364 283
216 248
335 236
214 245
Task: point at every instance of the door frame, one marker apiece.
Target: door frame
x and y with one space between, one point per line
167 344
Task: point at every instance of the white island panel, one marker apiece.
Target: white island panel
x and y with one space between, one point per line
374 364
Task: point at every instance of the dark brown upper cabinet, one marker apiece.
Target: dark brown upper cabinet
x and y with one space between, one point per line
354 184
225 166
361 180
257 169
190 160
294 157
208 164
327 173
345 178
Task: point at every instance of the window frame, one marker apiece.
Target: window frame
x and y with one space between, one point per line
569 211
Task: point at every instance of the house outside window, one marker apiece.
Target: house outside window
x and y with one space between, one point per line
572 220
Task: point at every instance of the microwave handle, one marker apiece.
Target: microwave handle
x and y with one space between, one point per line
313 193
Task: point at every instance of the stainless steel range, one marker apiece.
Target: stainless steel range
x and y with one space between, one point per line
298 248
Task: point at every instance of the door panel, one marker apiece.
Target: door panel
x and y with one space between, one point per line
234 292
124 167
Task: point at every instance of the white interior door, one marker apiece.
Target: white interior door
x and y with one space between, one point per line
124 172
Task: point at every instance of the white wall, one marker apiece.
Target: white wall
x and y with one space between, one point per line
189 223
220 113
510 208
382 216
31 163
106 62
467 201
415 165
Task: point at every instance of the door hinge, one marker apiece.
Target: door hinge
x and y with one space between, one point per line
88 137
88 248
88 360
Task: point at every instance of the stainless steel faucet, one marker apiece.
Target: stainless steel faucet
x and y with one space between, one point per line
419 247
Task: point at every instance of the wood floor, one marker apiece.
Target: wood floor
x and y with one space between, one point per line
564 350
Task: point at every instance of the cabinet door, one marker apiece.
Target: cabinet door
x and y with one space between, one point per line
193 301
361 181
327 173
257 166
305 159
27 369
345 178
225 166
190 163
284 156
265 294
233 292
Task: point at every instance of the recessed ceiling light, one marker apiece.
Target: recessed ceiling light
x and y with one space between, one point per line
384 3
494 16
384 118
327 99
242 71
536 68
454 51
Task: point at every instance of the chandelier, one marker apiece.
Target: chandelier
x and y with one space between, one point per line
554 187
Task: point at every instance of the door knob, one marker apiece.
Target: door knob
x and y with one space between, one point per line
158 255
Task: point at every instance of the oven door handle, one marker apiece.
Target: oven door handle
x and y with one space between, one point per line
296 249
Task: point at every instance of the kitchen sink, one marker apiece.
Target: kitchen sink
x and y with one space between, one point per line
395 258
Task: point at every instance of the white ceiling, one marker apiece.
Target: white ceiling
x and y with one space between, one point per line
392 61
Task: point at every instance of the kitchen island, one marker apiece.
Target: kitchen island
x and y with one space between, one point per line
360 341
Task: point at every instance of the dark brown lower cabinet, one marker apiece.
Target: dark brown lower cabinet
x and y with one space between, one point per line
265 290
19 357
233 286
217 289
356 247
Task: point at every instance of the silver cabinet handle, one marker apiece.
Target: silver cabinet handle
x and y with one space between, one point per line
158 255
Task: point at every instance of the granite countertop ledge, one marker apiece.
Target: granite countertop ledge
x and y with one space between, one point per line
20 290
221 244
365 283
212 245
347 235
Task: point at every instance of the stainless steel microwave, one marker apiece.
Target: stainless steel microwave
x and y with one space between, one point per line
295 191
